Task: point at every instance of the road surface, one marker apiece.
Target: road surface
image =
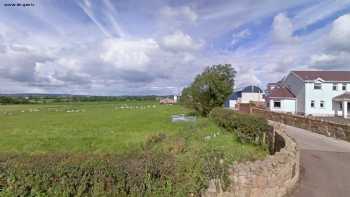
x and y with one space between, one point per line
325 165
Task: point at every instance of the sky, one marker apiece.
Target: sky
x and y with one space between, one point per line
135 47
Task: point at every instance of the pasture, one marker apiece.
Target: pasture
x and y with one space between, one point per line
109 128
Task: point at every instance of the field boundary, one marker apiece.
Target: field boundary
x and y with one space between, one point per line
327 128
274 176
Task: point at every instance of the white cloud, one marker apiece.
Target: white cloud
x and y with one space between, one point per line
322 58
335 50
339 36
179 13
240 35
248 77
332 61
179 41
282 29
129 54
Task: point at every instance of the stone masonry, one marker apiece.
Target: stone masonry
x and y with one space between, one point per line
275 176
330 129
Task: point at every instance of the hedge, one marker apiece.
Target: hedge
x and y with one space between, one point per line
249 128
146 173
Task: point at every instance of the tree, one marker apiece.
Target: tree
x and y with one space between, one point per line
210 88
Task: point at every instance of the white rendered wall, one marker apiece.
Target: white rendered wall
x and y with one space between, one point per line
232 103
247 97
287 105
325 94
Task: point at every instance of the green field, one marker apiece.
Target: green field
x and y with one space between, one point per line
112 149
114 127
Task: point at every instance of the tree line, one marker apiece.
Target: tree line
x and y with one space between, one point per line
6 100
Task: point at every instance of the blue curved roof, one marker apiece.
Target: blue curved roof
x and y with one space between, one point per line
235 95
255 89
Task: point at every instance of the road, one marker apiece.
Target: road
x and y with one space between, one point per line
325 165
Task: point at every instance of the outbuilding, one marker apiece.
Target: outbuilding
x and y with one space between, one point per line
246 95
280 99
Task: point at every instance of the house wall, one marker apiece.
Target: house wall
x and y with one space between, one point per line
251 96
232 103
296 86
287 105
325 94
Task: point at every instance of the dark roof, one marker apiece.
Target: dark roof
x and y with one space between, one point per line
343 97
255 89
325 75
281 92
235 95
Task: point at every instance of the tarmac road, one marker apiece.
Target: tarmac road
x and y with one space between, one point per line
325 165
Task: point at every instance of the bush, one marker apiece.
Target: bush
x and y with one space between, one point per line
249 128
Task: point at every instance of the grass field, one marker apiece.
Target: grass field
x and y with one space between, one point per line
114 127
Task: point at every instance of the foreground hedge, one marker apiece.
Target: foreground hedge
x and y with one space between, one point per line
146 173
249 128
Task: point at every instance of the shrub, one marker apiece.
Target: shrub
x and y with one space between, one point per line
249 128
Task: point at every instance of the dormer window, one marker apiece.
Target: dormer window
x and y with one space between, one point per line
317 86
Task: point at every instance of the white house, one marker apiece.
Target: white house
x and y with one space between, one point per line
246 95
281 99
317 93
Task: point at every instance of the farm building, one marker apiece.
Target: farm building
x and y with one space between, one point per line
246 95
167 101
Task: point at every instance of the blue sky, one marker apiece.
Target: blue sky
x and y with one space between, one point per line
132 47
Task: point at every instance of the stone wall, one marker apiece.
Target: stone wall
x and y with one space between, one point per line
275 176
330 129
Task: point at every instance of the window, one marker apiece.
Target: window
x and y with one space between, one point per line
335 86
312 104
277 104
317 86
344 86
322 104
341 106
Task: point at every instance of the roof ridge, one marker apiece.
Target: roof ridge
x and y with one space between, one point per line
326 75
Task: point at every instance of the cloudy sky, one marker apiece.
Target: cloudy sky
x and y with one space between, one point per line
131 47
